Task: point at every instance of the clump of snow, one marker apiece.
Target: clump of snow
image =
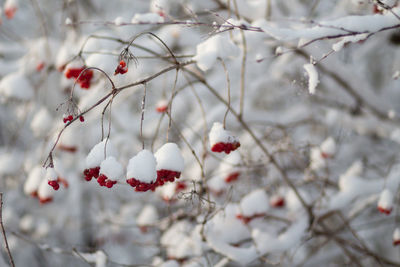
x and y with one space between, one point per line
169 157
217 46
27 223
147 18
396 236
317 162
118 21
34 179
16 86
99 258
148 216
45 191
396 74
142 167
219 135
348 39
111 168
179 241
255 203
386 200
328 147
68 21
312 77
41 122
99 152
51 174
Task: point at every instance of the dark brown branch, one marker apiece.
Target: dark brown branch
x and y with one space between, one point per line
4 231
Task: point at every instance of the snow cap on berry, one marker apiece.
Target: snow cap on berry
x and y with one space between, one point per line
219 135
51 174
328 147
396 237
45 191
255 203
385 203
111 168
147 216
99 152
169 157
142 167
34 180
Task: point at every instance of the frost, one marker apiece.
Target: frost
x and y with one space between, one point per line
99 152
312 77
169 157
16 86
216 46
142 167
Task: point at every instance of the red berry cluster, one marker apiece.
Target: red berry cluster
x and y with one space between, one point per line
163 176
90 173
161 108
68 118
225 147
232 177
104 181
84 79
383 210
277 202
54 184
121 68
247 219
10 12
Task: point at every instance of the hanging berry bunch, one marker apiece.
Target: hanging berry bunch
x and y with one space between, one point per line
83 78
222 140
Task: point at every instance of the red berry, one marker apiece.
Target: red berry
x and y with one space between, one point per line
121 68
386 211
54 184
161 109
84 79
45 200
277 202
40 66
396 242
81 118
10 12
232 177
102 180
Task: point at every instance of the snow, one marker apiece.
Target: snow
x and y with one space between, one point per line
147 18
396 234
317 162
386 200
328 147
312 77
99 152
98 257
169 157
45 190
16 86
41 123
118 21
147 216
111 168
215 47
34 179
27 223
254 203
142 167
10 162
51 174
219 135
348 39
68 21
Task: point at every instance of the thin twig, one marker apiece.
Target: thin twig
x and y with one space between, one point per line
4 232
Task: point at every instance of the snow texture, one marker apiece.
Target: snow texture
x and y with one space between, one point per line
215 47
51 174
254 203
148 216
34 179
169 157
386 200
396 234
147 18
41 123
99 152
15 86
328 147
142 167
111 168
312 77
10 162
219 135
99 258
45 191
